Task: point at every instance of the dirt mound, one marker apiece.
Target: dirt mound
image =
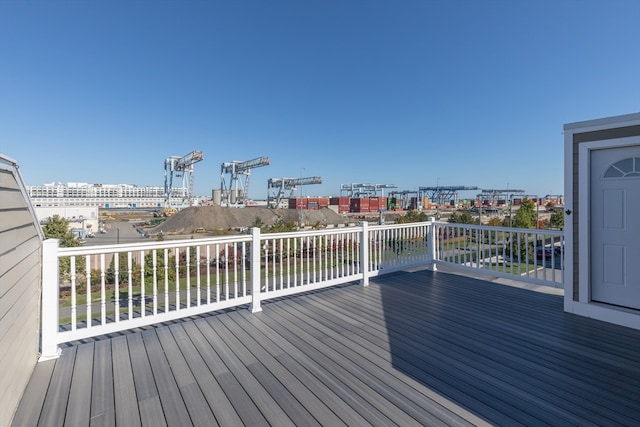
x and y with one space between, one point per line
219 218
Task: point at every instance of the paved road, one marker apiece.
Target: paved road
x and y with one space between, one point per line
117 232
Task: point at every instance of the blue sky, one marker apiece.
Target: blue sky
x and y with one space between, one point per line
412 93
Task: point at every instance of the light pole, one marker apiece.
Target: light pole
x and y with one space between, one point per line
300 217
509 202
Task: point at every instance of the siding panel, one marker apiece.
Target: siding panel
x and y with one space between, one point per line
20 277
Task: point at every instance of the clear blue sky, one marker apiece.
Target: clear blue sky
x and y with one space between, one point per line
412 92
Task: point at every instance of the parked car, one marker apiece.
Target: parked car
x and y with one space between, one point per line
545 253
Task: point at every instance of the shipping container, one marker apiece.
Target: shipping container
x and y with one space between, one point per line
360 202
359 210
339 201
297 203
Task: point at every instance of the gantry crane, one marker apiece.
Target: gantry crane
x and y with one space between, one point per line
179 167
364 190
235 193
441 195
283 188
493 197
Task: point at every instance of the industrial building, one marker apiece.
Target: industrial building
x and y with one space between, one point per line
100 195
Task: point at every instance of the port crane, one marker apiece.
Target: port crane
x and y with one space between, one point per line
179 167
283 188
441 195
234 180
364 190
491 197
404 198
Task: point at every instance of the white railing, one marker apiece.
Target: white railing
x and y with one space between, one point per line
529 255
90 291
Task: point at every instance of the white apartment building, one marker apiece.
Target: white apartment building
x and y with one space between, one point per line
99 195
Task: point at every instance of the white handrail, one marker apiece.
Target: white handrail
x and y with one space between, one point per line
104 289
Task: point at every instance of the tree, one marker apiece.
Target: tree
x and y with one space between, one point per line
526 216
550 205
557 219
412 216
58 228
495 222
462 218
258 223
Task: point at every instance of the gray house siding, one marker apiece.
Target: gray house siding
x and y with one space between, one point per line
20 279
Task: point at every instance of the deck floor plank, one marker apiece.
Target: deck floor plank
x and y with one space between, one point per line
260 396
369 350
322 382
124 390
287 389
384 360
223 411
197 407
439 352
30 407
239 398
79 403
55 403
412 348
174 407
103 407
316 350
369 364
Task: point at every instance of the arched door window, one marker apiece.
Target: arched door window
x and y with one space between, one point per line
624 168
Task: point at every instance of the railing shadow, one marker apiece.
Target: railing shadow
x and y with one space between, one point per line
505 355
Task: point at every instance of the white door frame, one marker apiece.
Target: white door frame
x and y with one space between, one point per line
584 206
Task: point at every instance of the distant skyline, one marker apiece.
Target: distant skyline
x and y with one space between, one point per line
412 93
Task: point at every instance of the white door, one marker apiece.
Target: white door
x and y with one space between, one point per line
615 226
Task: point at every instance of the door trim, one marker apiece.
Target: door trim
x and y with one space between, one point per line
584 206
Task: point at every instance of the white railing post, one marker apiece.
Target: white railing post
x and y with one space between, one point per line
50 303
431 245
364 253
255 270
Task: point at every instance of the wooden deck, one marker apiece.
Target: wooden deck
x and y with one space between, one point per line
417 348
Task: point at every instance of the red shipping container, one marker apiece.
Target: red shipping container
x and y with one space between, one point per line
374 204
297 203
360 202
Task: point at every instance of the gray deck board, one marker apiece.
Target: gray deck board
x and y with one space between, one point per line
79 403
390 388
124 391
174 408
103 409
314 349
55 403
289 395
295 387
418 348
369 350
322 382
229 384
266 403
221 408
34 395
196 404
